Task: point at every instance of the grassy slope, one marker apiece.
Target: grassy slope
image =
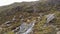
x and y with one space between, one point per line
26 9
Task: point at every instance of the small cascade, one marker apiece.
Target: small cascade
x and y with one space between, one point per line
24 28
30 28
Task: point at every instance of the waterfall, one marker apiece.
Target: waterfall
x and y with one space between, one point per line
26 28
30 29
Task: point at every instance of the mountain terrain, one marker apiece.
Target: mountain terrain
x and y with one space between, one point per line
39 17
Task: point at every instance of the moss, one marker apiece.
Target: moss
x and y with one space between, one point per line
10 32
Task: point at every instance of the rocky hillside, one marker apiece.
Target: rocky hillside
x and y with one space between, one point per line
30 18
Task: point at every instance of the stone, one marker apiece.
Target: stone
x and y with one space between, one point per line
50 17
58 32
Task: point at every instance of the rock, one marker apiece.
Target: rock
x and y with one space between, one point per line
58 32
14 19
57 29
50 17
16 30
7 23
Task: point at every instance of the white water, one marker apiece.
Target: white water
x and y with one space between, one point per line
26 28
30 29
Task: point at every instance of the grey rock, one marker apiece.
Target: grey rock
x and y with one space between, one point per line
58 32
50 17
